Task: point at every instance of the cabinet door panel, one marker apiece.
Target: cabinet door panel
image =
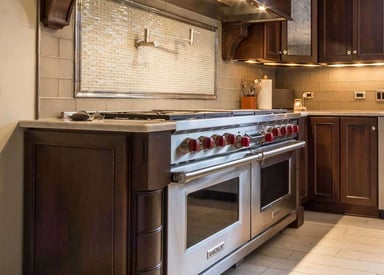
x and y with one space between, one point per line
335 30
324 158
76 204
369 29
273 40
299 36
358 176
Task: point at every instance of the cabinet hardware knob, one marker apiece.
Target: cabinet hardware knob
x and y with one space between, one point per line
354 51
373 128
349 52
285 52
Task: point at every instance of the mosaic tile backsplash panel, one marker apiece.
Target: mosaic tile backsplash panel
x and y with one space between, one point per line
110 61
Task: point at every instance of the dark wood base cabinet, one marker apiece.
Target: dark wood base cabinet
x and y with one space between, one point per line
343 172
93 202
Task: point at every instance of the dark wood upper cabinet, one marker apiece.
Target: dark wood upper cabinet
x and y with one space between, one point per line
299 36
351 30
277 41
56 14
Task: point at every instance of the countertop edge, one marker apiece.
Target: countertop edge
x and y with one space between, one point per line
140 126
367 113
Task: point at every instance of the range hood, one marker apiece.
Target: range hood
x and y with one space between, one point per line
239 10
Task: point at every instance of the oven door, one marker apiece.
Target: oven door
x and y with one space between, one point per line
273 190
208 218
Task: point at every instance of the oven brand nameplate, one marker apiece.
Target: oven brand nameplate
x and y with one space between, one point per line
215 250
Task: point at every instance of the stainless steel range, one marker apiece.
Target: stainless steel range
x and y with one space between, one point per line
233 184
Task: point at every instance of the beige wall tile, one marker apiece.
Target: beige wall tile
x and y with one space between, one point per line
49 45
91 104
56 68
230 94
368 85
319 75
309 85
341 96
321 96
49 87
66 88
189 104
119 104
328 86
66 48
52 107
348 85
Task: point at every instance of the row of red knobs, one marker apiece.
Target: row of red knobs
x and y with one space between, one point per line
244 141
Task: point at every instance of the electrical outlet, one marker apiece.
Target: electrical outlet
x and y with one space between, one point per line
308 95
380 95
360 95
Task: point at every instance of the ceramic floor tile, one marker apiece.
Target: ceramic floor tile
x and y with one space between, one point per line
326 244
275 252
318 269
366 257
355 265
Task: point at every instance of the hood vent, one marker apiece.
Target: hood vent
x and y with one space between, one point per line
239 10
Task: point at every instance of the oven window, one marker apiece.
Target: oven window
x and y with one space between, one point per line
274 182
212 209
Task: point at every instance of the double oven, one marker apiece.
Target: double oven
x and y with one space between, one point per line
233 181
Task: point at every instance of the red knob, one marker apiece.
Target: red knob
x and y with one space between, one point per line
208 142
245 141
289 130
276 132
295 129
283 131
268 137
231 139
219 141
193 145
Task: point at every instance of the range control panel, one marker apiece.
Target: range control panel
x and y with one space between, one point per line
198 145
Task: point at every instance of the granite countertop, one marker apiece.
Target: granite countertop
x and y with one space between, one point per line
101 125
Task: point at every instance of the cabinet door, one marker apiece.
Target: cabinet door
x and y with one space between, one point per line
335 30
299 36
324 158
358 173
368 30
272 39
76 204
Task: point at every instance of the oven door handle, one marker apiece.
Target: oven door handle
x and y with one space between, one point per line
184 177
283 149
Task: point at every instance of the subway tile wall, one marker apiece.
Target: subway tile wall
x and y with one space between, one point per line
334 88
56 81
